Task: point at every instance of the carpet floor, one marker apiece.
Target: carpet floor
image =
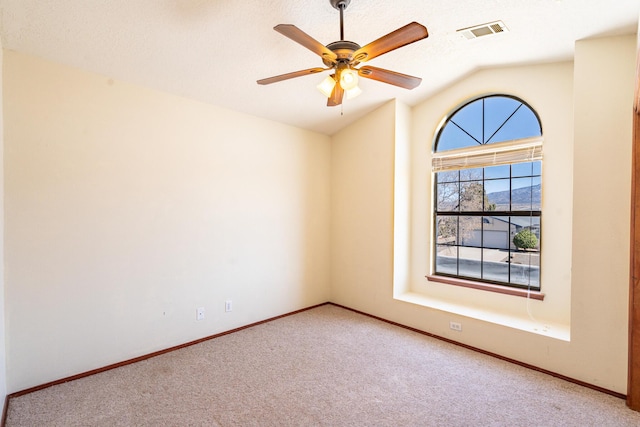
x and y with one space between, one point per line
327 366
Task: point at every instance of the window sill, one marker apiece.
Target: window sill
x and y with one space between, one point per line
487 287
518 319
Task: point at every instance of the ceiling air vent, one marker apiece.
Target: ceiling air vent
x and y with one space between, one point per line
483 30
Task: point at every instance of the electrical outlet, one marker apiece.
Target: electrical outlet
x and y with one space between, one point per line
455 326
228 305
200 313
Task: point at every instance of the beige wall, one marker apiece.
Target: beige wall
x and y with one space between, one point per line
604 87
126 209
362 211
580 329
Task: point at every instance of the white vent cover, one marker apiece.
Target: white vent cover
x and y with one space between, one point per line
483 30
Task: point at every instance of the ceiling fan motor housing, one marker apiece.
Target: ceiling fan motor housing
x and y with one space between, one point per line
343 49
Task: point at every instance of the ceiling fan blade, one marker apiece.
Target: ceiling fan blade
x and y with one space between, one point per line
390 77
401 37
336 96
287 76
299 36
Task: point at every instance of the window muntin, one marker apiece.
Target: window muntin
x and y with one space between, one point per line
479 211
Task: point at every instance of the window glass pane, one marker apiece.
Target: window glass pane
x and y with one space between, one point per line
497 111
471 196
470 262
496 232
526 169
522 169
469 118
449 176
536 196
525 258
471 174
448 196
495 266
447 259
498 194
470 231
525 275
525 234
537 168
525 194
447 230
496 172
452 137
523 124
535 229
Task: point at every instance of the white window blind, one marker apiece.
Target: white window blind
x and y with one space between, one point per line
500 153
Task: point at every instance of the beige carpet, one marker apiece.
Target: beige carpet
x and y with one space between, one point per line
323 367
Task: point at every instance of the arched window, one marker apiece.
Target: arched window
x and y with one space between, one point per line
487 205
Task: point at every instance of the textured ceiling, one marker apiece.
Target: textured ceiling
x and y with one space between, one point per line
215 50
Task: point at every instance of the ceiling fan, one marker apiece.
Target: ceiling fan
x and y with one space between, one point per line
344 56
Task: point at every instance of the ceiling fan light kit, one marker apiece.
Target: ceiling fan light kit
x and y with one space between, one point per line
326 86
348 79
343 57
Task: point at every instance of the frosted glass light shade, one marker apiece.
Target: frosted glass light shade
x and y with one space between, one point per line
326 86
348 79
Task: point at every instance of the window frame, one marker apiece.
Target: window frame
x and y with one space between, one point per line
511 288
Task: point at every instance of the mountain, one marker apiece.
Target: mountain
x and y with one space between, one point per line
520 196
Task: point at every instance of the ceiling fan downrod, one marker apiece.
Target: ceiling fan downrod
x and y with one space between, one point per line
341 5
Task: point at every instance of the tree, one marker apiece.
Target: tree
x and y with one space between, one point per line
454 195
525 239
473 197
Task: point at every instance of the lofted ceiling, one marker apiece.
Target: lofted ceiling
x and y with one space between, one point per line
215 50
